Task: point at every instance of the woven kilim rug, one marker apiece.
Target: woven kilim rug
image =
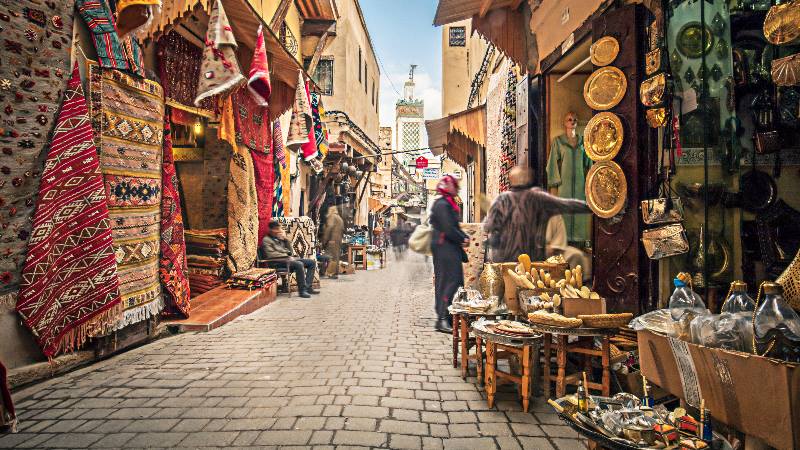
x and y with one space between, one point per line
37 38
172 262
128 117
302 234
69 289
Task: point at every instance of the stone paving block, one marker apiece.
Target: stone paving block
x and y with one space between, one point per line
405 403
463 430
535 442
569 444
364 438
206 413
116 440
299 411
557 431
377 412
310 423
245 438
401 441
112 426
150 425
321 437
451 405
527 429
360 424
494 429
71 440
522 417
289 437
244 424
365 400
479 443
406 414
191 425
404 427
205 439
508 443
284 423
435 417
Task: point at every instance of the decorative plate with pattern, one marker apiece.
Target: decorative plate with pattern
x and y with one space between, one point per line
605 88
606 189
604 51
603 136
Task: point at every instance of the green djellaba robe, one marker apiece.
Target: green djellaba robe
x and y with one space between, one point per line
567 167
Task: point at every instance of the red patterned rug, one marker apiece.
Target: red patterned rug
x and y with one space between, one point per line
70 289
172 264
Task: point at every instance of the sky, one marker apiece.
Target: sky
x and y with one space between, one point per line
402 33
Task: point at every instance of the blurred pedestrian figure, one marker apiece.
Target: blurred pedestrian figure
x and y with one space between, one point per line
447 246
332 237
517 220
397 236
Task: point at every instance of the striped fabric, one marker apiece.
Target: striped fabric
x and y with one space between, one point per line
112 51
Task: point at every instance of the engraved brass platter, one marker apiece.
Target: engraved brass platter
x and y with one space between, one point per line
603 136
605 88
606 189
604 51
690 40
651 92
657 117
782 24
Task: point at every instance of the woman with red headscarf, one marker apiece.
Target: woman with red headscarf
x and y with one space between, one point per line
447 247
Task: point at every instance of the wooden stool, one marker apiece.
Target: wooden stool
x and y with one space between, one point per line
527 349
357 250
585 347
462 323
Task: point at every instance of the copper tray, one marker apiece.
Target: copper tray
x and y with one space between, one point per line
603 136
604 51
782 24
606 189
605 88
651 91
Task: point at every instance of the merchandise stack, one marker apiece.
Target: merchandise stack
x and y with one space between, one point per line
255 278
206 251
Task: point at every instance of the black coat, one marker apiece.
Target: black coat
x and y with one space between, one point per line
448 254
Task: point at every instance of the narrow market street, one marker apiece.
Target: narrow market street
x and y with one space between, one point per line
358 365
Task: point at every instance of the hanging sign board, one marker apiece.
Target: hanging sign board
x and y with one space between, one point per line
422 162
430 174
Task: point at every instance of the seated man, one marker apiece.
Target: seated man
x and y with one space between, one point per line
277 250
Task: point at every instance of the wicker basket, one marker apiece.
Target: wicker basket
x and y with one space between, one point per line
606 320
555 320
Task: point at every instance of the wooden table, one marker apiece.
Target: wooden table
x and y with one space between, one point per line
585 347
462 321
526 348
355 250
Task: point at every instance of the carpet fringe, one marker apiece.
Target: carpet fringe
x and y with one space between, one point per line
140 313
99 325
9 299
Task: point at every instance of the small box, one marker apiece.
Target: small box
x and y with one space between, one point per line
573 307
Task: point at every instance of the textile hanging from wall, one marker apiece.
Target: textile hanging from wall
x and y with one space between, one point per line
508 119
258 83
134 16
251 122
179 68
279 163
242 198
69 289
264 171
172 263
475 253
495 103
33 74
128 118
113 52
320 132
216 163
302 234
219 69
301 122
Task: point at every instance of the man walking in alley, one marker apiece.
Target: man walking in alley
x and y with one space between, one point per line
517 220
277 250
332 237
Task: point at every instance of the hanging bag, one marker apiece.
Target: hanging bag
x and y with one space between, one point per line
420 240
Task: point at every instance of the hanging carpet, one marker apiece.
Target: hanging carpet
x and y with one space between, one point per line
113 51
302 235
179 69
33 74
242 198
172 263
495 105
219 69
69 289
475 253
301 123
128 117
508 141
280 166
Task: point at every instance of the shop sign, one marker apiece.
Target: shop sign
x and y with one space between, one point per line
430 174
456 174
422 162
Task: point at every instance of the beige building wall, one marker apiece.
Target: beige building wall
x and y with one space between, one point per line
459 66
356 97
267 8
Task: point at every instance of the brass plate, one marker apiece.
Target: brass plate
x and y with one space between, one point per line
605 88
603 137
690 40
782 24
604 51
656 118
651 92
652 62
606 189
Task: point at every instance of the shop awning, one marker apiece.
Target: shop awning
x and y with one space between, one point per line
317 9
458 135
245 22
449 11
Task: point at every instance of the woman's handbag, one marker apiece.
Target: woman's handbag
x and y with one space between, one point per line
662 210
790 280
669 240
420 240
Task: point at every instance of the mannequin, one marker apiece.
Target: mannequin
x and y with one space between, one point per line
567 167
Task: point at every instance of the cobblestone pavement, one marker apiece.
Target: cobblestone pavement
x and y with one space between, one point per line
356 366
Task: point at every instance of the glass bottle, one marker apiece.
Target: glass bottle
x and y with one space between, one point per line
684 299
583 399
738 301
776 326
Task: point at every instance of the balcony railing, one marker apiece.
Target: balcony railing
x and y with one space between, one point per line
288 39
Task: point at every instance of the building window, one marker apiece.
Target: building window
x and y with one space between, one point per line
373 91
366 82
359 65
323 74
458 36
